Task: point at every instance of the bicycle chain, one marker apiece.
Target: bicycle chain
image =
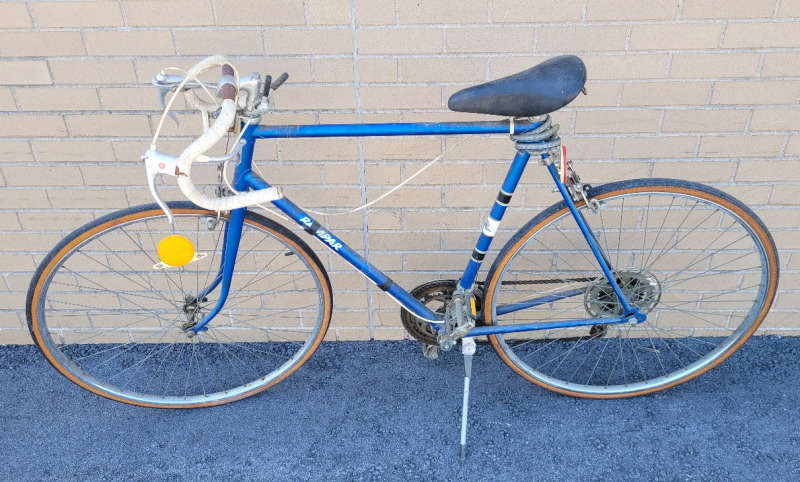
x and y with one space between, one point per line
540 282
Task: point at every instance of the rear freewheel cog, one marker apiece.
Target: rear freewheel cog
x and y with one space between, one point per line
436 295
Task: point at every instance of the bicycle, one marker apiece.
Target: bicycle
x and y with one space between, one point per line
618 290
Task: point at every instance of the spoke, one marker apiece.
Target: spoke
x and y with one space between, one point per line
591 261
237 318
606 244
580 341
123 328
147 288
257 273
136 244
182 348
154 244
255 352
189 368
585 358
695 260
619 237
79 288
229 354
676 282
675 233
597 363
154 350
658 234
127 347
272 333
636 357
649 327
169 348
217 236
259 293
263 238
644 233
565 356
678 342
564 280
617 361
116 293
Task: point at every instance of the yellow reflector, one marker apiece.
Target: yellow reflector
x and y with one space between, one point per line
175 250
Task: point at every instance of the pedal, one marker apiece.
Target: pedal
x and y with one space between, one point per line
431 352
459 319
462 330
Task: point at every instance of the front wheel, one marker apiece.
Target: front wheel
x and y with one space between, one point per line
111 318
697 262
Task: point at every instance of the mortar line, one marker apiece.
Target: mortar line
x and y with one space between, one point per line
361 166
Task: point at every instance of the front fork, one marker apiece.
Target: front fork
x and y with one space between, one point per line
230 249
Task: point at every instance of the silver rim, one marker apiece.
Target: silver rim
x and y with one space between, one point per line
114 321
705 265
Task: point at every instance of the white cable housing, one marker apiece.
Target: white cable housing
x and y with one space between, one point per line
197 148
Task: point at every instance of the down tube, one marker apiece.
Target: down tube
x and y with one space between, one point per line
339 247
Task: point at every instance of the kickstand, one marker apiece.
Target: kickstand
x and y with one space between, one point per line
468 349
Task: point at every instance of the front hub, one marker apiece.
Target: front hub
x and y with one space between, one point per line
193 311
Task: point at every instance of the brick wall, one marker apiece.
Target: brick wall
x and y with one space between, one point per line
697 89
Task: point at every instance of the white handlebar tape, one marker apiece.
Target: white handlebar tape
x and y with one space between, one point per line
197 148
196 102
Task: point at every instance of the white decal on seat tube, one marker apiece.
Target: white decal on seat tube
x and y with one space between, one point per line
490 228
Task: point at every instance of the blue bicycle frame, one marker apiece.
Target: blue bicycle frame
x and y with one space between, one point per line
245 179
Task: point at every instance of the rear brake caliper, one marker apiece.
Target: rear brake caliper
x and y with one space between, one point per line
578 191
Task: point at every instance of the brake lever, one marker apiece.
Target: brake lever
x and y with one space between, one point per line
167 82
159 163
162 97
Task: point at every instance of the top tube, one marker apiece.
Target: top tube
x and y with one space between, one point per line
394 129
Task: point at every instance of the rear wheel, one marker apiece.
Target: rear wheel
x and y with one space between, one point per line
115 321
697 262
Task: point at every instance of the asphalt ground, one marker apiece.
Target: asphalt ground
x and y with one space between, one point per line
380 411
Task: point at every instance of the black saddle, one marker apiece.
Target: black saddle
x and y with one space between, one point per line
539 90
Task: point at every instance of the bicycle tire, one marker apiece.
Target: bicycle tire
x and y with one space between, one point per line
109 320
702 300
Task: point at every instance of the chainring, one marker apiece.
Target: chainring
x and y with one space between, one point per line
435 295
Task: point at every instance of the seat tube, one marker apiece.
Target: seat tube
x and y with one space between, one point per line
495 216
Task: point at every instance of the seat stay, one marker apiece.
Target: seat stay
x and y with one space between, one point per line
594 246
